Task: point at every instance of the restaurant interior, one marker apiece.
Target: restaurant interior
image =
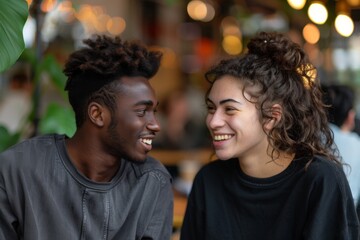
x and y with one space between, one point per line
193 35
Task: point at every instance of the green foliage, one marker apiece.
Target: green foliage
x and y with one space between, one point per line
50 65
7 139
58 119
13 15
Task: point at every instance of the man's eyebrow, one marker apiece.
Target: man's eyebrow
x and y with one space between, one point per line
145 102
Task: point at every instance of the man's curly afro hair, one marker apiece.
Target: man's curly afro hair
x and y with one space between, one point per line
91 69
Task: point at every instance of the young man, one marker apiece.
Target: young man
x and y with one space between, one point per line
100 183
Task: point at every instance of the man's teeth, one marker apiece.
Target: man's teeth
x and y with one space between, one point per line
146 141
222 137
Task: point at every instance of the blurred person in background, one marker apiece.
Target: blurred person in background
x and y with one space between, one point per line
341 113
99 183
15 103
179 130
277 176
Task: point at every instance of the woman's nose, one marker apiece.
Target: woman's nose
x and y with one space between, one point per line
214 120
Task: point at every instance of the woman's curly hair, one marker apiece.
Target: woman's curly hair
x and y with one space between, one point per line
278 72
92 70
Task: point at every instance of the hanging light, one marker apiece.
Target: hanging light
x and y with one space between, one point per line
232 44
199 10
296 4
317 12
311 33
344 25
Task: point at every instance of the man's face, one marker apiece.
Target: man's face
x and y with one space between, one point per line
133 124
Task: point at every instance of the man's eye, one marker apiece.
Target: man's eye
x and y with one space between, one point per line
141 112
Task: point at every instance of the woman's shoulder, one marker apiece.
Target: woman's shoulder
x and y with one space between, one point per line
323 164
322 169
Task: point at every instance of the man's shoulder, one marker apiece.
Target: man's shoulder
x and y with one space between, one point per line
31 148
152 166
37 141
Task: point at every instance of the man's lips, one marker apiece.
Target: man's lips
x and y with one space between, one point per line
147 141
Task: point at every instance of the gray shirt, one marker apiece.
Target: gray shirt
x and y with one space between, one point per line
43 197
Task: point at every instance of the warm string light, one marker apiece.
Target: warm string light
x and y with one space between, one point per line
344 25
95 19
201 11
311 33
296 4
318 14
232 36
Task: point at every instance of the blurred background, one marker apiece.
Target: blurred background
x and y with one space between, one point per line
193 35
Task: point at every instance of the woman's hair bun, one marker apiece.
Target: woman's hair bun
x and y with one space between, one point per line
277 48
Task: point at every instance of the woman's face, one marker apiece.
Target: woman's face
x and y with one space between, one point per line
233 121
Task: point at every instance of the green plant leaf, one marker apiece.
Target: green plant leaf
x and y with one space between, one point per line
58 119
7 139
13 15
53 68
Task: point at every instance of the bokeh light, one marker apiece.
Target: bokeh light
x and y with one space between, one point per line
317 13
311 33
344 25
296 4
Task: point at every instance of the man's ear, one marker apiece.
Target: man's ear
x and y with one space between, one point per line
276 115
97 114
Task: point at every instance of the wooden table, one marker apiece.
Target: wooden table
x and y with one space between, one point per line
180 202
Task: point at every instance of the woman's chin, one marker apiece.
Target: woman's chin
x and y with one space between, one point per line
223 156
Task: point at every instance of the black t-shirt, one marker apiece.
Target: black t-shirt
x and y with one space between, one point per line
298 203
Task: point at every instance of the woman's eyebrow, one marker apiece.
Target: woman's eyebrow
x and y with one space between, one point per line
229 100
223 101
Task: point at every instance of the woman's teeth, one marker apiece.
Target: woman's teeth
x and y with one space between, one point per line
222 137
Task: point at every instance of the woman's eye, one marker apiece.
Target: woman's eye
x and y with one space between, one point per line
210 109
229 109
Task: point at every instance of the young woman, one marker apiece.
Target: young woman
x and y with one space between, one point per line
277 176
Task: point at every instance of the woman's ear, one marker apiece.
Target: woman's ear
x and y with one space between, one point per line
276 115
97 114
